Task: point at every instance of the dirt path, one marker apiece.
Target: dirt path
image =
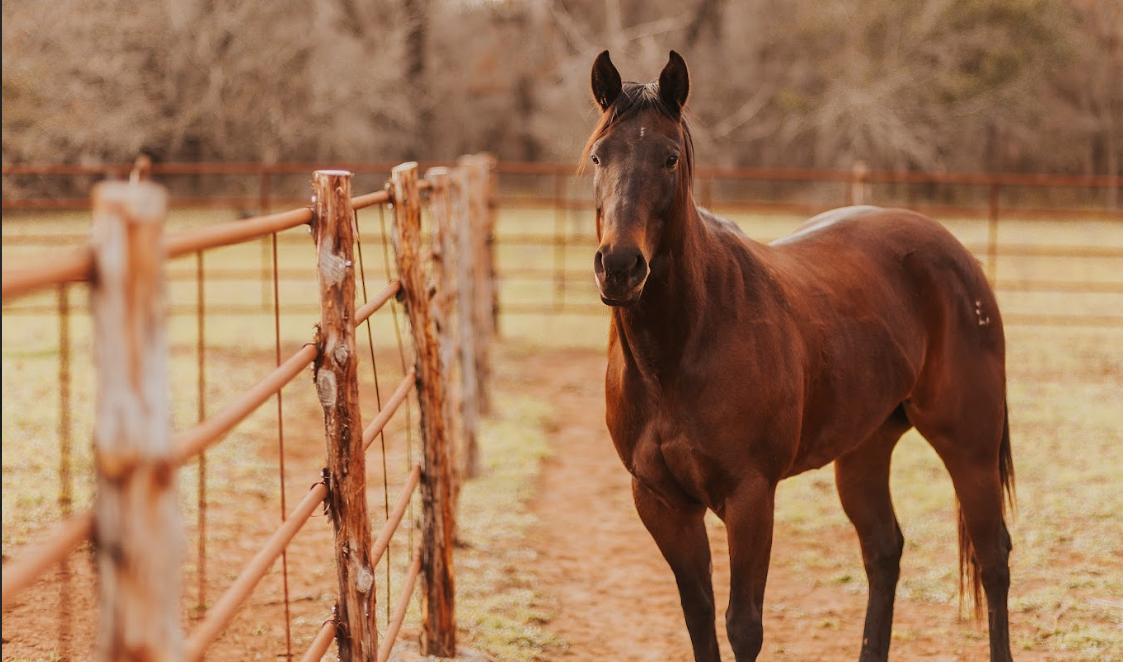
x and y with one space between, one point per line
615 597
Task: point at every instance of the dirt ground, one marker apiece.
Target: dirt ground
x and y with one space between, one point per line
609 592
616 598
55 620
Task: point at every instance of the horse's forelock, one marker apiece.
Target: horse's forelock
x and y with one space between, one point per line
635 98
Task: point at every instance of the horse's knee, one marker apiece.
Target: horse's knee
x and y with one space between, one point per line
996 577
995 574
883 558
994 568
994 559
696 598
746 632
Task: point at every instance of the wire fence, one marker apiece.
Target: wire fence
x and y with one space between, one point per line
455 259
1047 241
134 519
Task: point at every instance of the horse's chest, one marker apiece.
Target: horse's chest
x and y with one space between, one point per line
670 462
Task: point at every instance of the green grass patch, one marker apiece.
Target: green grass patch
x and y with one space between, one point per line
498 606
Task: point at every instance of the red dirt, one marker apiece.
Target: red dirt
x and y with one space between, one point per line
240 517
615 596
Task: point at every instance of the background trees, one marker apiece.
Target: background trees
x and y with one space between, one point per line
1010 85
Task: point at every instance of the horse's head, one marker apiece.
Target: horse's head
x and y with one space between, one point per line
642 158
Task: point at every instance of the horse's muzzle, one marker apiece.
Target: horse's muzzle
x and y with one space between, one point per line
621 274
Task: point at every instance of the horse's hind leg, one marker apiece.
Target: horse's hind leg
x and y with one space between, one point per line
681 537
862 476
975 448
979 489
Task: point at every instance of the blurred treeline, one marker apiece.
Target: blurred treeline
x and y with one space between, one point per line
960 85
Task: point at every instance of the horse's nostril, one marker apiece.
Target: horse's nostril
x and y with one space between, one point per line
639 265
598 262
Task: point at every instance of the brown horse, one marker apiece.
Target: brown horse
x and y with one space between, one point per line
733 365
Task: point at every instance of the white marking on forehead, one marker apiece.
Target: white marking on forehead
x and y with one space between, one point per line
642 129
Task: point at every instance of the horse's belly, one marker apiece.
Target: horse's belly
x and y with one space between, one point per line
821 452
828 432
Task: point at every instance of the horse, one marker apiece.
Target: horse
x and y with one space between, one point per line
733 365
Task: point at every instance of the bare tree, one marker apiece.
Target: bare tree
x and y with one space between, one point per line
945 84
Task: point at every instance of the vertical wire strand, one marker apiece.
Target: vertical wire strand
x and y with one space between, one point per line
281 444
378 401
66 488
201 402
402 356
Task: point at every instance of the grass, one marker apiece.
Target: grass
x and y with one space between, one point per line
498 606
1064 398
1067 435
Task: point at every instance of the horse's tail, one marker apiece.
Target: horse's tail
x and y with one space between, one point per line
968 562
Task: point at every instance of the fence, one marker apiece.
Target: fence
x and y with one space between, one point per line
989 212
135 520
997 215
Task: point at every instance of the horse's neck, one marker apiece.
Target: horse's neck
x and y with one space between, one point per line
672 307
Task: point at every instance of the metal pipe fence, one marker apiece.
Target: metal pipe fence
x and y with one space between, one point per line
996 201
134 276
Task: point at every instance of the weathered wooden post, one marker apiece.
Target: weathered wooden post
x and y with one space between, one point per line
481 278
139 532
466 318
444 309
337 383
857 189
491 199
438 622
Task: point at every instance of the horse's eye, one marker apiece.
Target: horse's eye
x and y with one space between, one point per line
672 161
596 160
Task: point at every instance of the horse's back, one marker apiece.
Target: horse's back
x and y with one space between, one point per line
889 244
826 220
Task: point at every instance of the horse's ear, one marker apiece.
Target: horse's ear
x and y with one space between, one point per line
674 83
606 81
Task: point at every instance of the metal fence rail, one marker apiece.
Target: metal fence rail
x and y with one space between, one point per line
337 273
548 186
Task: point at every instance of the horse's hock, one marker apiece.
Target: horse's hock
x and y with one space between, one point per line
136 514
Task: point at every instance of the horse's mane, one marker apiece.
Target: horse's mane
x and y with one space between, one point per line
633 99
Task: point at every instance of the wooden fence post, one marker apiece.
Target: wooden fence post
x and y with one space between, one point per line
466 319
444 310
491 200
337 384
139 532
438 621
482 284
856 192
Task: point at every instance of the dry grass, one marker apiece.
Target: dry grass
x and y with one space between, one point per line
1064 398
1067 431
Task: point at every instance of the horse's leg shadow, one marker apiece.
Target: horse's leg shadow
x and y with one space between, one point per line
862 477
681 537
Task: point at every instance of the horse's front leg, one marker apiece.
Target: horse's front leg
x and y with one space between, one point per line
680 534
748 520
